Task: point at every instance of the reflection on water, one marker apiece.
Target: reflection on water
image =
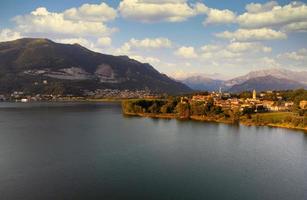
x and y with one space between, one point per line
91 151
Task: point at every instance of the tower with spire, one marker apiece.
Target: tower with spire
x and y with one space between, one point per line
254 94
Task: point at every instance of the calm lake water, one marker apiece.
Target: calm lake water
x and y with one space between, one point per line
90 151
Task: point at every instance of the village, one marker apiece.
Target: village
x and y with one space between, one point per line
19 96
262 102
257 103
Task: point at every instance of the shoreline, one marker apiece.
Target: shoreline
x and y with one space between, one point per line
71 100
212 119
243 122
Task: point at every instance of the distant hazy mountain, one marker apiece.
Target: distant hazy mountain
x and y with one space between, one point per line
266 83
300 77
24 63
280 79
202 83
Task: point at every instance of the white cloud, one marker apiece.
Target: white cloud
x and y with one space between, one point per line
144 44
8 34
210 47
153 43
145 59
43 22
123 50
162 1
300 55
253 35
104 41
216 16
81 41
266 62
157 11
225 53
272 14
258 8
91 12
296 27
186 52
233 50
248 47
216 55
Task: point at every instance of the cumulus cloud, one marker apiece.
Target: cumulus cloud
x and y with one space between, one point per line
252 35
271 14
248 46
172 11
186 52
157 11
153 43
104 41
145 59
81 41
211 47
41 21
216 55
300 55
266 62
91 12
8 34
144 44
232 50
296 27
215 16
258 8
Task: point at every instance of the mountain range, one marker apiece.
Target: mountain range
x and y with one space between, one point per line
71 69
260 80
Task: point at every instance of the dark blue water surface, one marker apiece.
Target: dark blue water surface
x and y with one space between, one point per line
90 151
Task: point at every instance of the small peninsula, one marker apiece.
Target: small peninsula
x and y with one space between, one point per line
285 109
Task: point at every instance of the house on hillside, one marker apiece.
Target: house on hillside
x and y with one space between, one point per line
201 97
303 104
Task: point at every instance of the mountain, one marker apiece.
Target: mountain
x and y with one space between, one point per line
300 77
202 83
266 83
26 63
269 79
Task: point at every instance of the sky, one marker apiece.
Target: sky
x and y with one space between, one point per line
180 38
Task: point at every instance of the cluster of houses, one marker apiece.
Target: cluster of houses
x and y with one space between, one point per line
258 104
19 96
224 100
122 94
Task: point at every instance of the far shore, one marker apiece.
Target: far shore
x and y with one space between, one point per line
243 122
71 100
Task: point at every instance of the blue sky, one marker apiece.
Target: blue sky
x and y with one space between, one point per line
178 37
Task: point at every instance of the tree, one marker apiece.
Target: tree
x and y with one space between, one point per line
183 110
154 108
197 108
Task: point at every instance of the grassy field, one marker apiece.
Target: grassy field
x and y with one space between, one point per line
274 117
278 119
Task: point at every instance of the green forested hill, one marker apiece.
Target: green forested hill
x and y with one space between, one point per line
25 63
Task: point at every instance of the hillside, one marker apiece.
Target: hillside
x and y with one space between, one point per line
25 63
266 83
202 83
298 76
281 79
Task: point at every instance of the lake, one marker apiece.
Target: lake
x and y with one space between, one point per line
91 151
